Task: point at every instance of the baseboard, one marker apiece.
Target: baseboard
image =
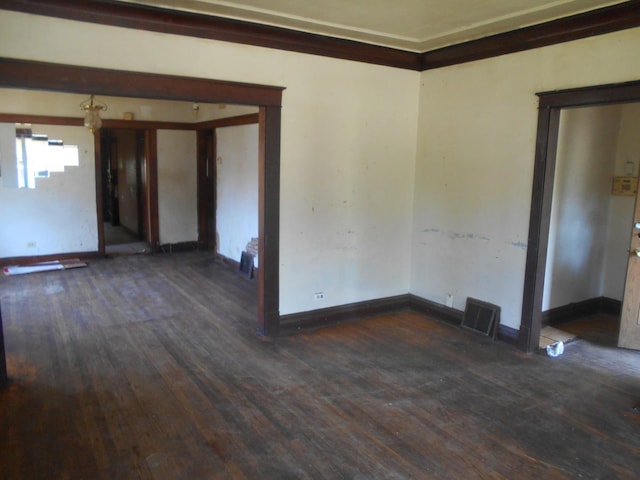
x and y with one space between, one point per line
508 335
441 312
297 322
178 247
47 258
571 311
313 319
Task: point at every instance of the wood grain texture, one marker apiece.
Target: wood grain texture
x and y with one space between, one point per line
150 367
75 79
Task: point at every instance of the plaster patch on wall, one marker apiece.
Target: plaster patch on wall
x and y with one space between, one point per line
520 245
457 235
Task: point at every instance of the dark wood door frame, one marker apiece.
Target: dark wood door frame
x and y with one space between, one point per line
550 105
26 74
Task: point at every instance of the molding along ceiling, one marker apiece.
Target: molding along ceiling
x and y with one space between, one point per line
410 34
413 25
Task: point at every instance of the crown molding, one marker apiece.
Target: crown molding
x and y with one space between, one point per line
142 17
595 22
114 13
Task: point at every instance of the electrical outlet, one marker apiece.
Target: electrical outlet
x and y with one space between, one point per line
449 301
319 295
31 244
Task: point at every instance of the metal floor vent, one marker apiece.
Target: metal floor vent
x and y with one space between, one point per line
481 317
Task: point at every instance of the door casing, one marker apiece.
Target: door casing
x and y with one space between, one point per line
550 105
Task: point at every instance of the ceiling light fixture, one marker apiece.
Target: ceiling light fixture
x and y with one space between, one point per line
91 110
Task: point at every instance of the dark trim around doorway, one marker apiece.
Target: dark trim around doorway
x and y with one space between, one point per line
27 74
550 105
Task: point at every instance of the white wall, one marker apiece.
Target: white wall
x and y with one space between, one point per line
578 231
177 186
349 156
474 167
237 189
59 215
347 153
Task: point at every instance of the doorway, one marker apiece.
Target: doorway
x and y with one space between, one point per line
124 177
590 223
72 78
550 106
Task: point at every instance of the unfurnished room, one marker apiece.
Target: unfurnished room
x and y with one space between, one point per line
263 239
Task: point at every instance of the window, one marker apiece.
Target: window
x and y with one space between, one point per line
37 156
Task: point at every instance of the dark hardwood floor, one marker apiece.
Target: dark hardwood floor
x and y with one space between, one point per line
150 367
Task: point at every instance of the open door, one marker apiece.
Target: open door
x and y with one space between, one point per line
629 336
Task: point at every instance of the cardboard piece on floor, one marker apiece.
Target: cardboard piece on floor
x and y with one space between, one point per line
44 266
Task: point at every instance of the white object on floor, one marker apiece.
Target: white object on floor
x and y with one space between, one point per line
555 350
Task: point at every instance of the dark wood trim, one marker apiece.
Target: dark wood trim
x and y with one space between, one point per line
550 105
42 119
146 125
45 76
571 311
203 137
215 28
151 182
269 220
178 247
4 378
106 12
97 155
248 119
47 258
508 335
106 123
595 22
544 168
441 312
238 120
119 83
297 322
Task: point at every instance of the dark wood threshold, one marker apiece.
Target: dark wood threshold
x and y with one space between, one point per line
47 258
177 247
298 322
600 21
571 311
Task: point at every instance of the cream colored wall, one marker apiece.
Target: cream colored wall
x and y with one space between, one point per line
59 215
177 186
237 189
474 167
348 146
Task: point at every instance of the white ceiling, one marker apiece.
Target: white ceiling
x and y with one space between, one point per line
415 25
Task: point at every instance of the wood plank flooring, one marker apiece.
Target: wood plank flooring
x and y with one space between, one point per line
149 367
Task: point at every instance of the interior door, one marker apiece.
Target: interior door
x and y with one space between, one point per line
629 336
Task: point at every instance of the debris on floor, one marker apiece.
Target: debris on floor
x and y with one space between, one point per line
555 349
43 266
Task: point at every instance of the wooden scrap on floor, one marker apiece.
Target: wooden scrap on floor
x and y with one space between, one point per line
44 266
